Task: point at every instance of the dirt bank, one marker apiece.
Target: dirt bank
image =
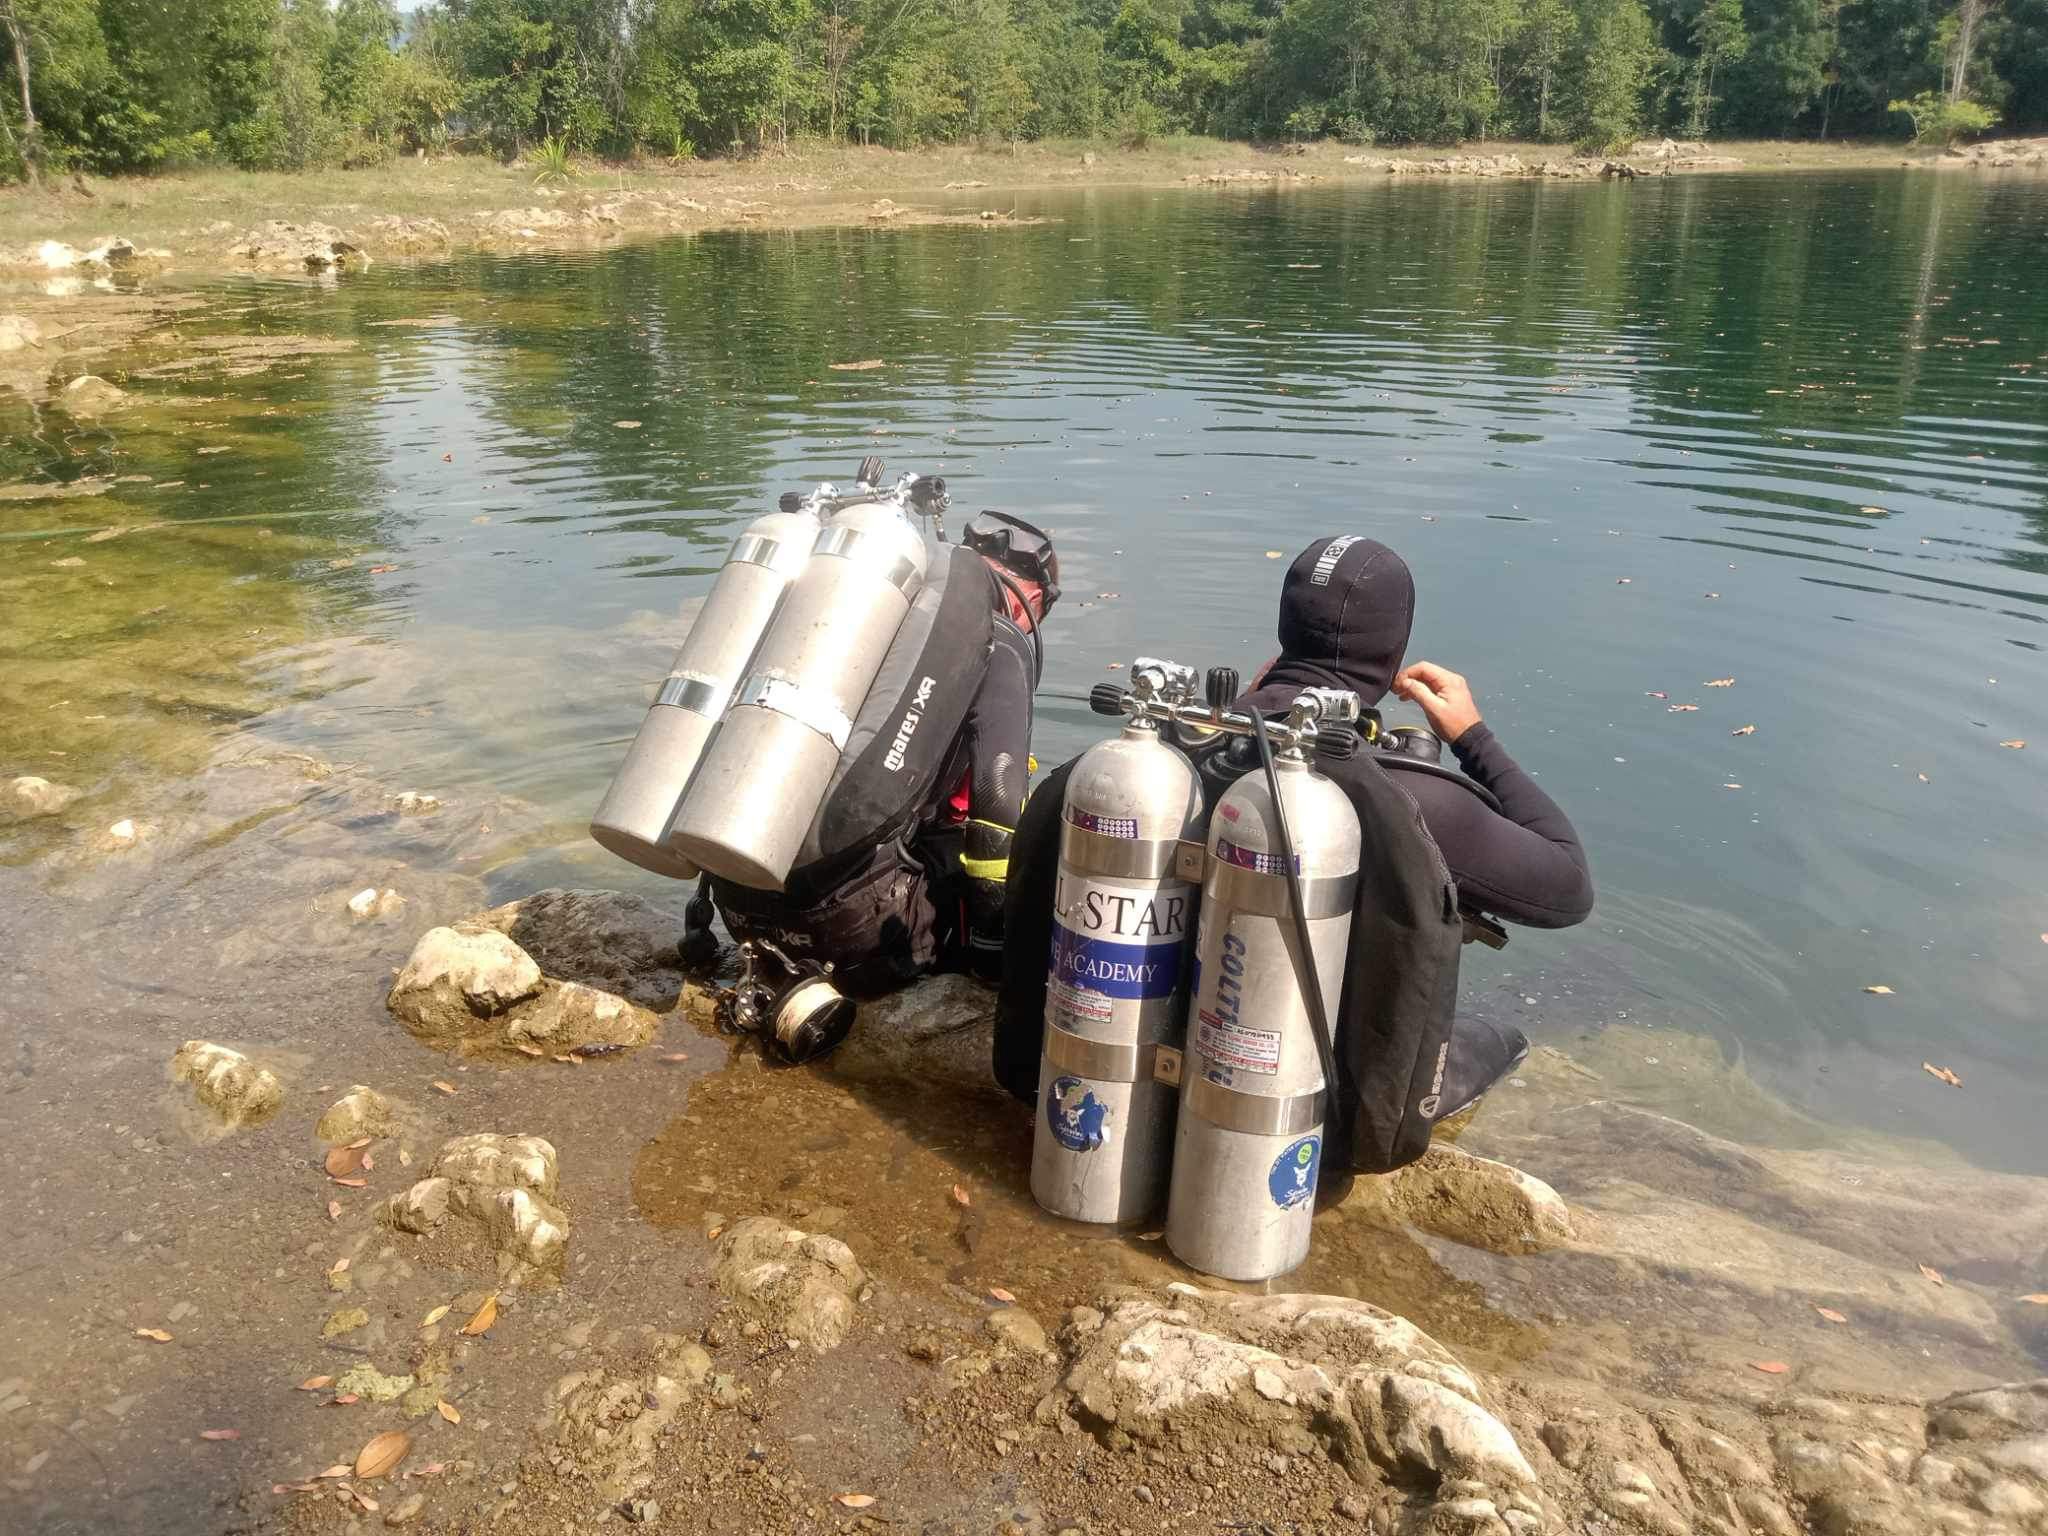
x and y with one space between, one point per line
217 220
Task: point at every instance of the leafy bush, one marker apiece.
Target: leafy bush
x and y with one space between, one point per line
550 161
1937 120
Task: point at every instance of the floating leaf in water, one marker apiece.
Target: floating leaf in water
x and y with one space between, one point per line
1684 709
382 570
486 1315
1273 554
1654 694
447 1411
1622 581
1879 990
1770 1367
1933 1274
153 1333
1941 1072
860 367
1923 778
1721 682
1000 1294
1743 730
626 426
314 1384
343 1161
961 1197
2016 743
447 1088
447 458
384 1452
434 1316
1831 1314
220 1434
854 1500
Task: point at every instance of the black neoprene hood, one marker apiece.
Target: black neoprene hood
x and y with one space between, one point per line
1346 607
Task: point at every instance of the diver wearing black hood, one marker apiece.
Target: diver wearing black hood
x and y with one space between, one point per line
1501 846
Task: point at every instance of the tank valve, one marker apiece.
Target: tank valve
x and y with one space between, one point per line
1106 699
1224 686
870 471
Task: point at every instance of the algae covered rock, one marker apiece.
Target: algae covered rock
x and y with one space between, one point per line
502 1188
604 939
32 796
611 1422
455 983
802 1284
1472 1200
228 1084
360 1112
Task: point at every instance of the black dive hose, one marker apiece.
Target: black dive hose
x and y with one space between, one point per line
1312 983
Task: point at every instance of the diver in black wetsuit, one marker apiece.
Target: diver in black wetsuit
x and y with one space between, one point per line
1346 607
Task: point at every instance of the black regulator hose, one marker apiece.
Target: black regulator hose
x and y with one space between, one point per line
1312 982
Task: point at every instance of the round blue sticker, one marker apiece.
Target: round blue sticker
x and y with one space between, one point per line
1077 1119
1293 1178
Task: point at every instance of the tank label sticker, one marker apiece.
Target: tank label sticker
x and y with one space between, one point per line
1077 1119
1257 863
1125 827
1231 1044
1293 1179
1114 969
1073 1008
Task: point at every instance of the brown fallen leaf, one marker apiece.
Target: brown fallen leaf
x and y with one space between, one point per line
1879 991
345 1400
1941 1072
961 1197
447 1088
486 1315
153 1333
860 367
334 1210
2039 1299
675 1056
404 1158
364 1500
343 1161
343 1470
369 1162
712 1235
1685 709
1655 694
431 1469
1743 730
1000 1294
1831 1314
626 426
382 570
1770 1367
220 1434
315 1383
1721 682
2016 744
340 1267
854 1500
1923 778
353 1183
447 458
528 1050
382 1453
434 1316
1933 1274
447 1411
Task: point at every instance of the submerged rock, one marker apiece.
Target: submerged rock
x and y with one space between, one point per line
611 1422
229 1084
360 1112
503 1188
454 983
17 332
1290 1375
1472 1200
372 902
605 939
91 395
802 1284
31 796
365 1380
571 1014
279 245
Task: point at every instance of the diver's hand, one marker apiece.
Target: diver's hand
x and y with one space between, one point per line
1444 695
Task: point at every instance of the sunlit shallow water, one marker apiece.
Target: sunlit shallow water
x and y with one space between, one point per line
1792 431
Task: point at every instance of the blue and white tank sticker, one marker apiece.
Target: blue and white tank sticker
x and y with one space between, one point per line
1293 1179
1077 1119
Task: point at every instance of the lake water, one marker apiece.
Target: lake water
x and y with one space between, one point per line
1632 438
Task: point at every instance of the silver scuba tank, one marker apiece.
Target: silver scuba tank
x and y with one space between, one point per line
761 783
1123 919
633 818
1248 1145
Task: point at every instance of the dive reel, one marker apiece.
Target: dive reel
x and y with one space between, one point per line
790 1006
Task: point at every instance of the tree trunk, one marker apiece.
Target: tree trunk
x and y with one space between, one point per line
1543 106
1968 14
19 40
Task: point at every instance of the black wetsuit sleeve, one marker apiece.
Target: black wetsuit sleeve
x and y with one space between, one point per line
997 732
1523 865
1027 937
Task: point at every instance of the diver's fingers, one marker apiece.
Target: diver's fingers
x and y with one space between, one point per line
1438 678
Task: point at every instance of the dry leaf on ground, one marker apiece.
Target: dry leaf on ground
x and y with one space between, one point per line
486 1315
342 1161
854 1500
1831 1314
1743 730
345 1400
1770 1367
434 1316
447 1088
961 1197
1933 1274
1941 1072
364 1500
315 1383
353 1183
220 1434
383 1452
341 1470
1879 991
340 1267
153 1333
675 1056
447 1411
334 1210
1000 1294
529 1050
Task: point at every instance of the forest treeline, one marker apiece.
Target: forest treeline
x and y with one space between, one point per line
134 85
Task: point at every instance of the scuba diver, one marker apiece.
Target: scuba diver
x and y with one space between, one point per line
1489 839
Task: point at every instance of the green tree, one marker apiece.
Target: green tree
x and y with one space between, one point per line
1610 65
1719 37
